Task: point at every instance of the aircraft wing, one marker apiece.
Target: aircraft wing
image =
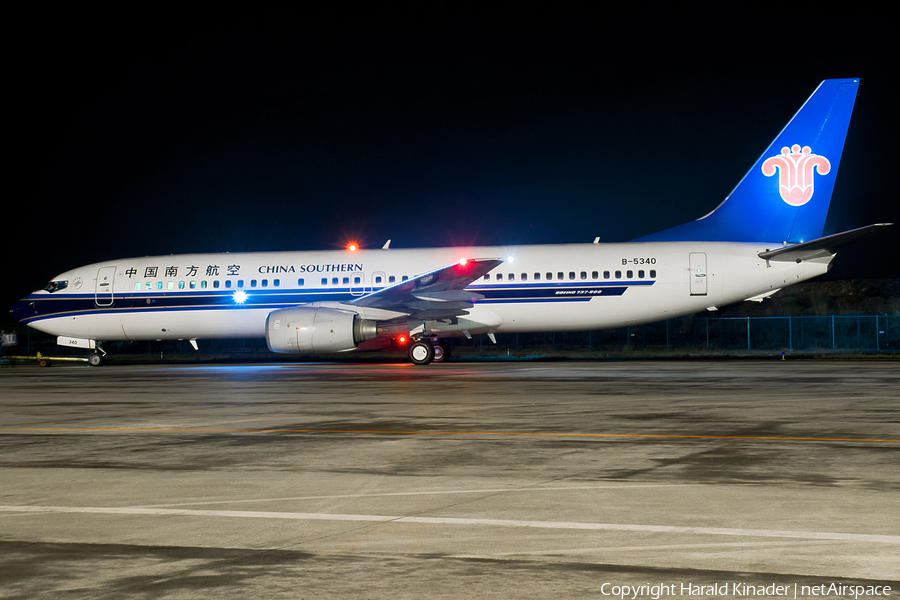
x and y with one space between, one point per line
822 247
434 295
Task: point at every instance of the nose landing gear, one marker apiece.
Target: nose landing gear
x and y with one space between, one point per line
96 359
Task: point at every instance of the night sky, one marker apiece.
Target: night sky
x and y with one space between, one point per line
433 124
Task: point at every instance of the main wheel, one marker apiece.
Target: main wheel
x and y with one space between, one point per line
441 352
95 359
421 353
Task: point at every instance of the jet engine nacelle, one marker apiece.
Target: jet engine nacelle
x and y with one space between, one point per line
315 329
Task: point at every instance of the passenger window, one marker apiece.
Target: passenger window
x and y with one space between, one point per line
629 274
571 274
487 277
324 281
276 282
137 286
228 284
300 282
605 274
391 279
512 277
159 285
356 280
537 276
595 275
346 281
640 274
252 283
170 285
216 284
618 274
180 285
203 284
149 286
265 283
652 273
524 276
559 275
240 283
193 285
334 281
378 279
499 276
404 278
549 276
584 274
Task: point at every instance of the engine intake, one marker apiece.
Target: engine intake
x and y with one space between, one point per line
313 329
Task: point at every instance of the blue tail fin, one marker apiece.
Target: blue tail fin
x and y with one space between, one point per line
785 195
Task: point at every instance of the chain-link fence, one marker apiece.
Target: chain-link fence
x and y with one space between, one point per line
839 333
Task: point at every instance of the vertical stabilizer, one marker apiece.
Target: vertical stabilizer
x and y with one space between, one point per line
785 195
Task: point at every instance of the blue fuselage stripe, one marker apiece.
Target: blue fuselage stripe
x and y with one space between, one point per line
43 306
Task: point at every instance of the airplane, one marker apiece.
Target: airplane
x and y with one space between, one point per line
765 235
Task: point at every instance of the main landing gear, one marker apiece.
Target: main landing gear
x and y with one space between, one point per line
428 349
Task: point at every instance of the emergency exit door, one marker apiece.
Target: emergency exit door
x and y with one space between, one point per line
698 274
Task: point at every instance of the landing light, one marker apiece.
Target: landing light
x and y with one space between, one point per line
240 297
352 246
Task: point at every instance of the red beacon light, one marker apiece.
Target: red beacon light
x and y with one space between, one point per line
463 262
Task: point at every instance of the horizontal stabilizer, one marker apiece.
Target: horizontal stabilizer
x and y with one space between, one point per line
822 247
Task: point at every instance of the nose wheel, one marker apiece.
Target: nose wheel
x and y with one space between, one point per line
98 357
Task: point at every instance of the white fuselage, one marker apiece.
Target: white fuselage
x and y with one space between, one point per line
538 288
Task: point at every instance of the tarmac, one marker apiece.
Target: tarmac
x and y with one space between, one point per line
589 479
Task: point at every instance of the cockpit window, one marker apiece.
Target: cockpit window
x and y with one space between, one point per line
56 286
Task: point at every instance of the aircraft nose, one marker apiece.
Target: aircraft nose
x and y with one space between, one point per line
22 309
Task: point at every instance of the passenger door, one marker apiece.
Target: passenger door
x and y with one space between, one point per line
103 293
